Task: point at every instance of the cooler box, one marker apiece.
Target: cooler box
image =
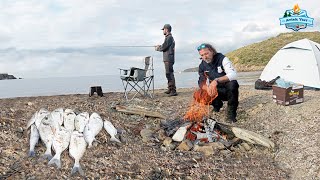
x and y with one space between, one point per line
288 96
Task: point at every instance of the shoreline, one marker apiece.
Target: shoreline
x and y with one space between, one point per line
291 128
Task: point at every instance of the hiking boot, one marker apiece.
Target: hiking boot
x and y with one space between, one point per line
231 114
173 93
167 91
232 119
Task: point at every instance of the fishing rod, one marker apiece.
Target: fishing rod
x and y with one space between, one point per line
129 46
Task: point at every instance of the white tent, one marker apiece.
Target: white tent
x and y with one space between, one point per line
298 62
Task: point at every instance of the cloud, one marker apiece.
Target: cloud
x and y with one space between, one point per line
50 38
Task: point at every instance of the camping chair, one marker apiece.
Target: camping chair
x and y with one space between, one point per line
141 81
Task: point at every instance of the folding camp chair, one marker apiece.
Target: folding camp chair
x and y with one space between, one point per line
138 81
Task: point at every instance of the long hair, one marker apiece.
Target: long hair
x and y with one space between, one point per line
211 48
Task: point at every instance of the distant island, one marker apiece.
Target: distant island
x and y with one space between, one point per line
4 76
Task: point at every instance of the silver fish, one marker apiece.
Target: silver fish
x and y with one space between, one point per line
47 131
68 119
92 128
77 148
34 138
81 121
60 143
111 130
32 120
42 113
57 115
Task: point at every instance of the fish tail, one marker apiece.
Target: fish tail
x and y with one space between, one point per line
77 169
55 160
31 154
115 139
47 154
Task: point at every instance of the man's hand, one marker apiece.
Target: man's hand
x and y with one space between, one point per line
212 89
204 87
157 47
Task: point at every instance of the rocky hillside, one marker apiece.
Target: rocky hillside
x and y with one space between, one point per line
255 56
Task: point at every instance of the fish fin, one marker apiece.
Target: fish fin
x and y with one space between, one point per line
31 154
77 169
55 161
115 139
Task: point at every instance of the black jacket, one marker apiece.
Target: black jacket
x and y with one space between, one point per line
215 69
168 48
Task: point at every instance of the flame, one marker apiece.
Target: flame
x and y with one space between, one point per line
200 105
296 9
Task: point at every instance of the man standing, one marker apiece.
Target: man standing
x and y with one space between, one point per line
216 67
168 58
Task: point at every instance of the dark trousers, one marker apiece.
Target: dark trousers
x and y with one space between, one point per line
228 92
170 76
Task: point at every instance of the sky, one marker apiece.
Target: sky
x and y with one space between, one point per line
59 38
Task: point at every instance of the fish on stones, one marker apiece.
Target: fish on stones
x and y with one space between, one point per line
46 132
92 128
34 138
60 143
80 121
77 148
42 113
112 131
68 119
57 115
32 120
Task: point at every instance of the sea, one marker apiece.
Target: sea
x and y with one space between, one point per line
109 83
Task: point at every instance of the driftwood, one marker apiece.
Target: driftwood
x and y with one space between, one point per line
139 111
246 135
252 137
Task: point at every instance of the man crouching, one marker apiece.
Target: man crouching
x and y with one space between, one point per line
217 67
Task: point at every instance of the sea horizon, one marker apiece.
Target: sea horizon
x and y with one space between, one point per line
51 86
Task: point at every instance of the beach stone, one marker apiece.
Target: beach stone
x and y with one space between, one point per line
216 145
241 148
20 129
161 135
246 146
185 145
146 135
167 142
206 150
29 103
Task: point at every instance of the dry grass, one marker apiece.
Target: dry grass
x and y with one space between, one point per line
257 55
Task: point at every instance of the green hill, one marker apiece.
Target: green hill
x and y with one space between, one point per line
256 56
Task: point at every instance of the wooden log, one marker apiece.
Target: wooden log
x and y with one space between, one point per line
138 111
252 137
246 135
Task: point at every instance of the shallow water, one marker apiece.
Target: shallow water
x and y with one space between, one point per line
109 83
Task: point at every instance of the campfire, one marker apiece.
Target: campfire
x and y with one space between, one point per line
197 127
203 128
